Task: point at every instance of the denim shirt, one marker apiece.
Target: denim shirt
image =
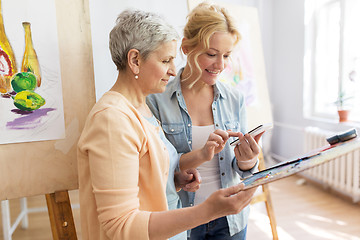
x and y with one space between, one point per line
229 112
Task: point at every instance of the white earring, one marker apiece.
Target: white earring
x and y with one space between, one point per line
136 76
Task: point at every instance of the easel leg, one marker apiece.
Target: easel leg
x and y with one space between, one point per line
61 217
265 197
24 208
5 210
270 212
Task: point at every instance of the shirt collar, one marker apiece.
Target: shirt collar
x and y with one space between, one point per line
219 90
174 85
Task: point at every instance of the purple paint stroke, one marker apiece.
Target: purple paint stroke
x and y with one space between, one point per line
31 120
21 112
8 95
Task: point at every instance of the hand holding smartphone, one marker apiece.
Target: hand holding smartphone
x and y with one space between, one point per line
254 132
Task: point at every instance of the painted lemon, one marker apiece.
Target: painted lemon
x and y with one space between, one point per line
28 100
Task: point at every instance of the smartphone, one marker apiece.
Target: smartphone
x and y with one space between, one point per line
254 132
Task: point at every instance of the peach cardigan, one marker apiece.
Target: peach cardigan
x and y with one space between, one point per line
123 168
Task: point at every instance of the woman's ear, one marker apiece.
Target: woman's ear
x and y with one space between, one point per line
134 60
184 49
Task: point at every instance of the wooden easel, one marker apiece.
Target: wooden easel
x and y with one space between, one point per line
61 217
265 197
49 166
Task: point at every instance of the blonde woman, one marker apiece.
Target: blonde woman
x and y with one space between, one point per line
195 105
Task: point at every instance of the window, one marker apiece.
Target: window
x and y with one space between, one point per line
332 57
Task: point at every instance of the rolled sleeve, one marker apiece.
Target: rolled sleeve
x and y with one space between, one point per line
244 174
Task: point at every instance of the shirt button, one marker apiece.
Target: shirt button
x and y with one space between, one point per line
189 125
214 108
172 130
222 174
221 158
189 142
217 125
191 204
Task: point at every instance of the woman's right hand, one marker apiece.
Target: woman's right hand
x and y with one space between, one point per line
228 201
215 143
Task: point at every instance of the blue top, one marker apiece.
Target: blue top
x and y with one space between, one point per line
172 197
229 112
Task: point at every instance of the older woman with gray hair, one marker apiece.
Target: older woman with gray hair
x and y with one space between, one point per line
123 164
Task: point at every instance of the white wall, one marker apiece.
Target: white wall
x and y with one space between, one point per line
287 77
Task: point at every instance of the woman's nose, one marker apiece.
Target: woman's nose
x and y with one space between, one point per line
172 70
220 63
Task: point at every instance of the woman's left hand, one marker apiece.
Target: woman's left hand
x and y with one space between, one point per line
188 180
247 151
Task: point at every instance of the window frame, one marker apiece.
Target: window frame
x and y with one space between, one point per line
311 20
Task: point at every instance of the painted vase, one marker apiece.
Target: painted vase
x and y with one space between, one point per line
30 62
7 59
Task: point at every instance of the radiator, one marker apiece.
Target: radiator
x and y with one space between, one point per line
341 174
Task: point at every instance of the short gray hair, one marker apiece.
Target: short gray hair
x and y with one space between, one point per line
135 29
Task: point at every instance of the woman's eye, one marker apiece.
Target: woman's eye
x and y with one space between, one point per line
211 55
166 61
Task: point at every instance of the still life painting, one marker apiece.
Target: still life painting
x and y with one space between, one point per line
31 103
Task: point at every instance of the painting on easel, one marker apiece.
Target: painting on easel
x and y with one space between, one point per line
31 102
241 72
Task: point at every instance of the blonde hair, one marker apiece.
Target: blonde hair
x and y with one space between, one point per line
203 21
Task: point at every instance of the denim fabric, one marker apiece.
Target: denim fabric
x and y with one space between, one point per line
172 197
229 112
216 230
